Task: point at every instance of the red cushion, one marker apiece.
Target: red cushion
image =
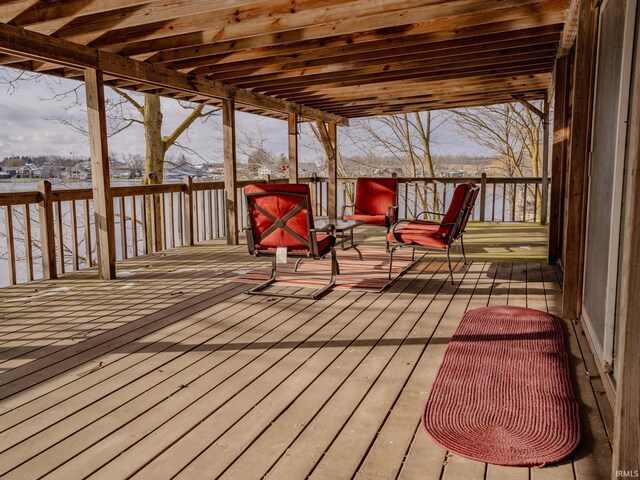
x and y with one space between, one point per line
278 205
368 219
426 235
374 196
454 209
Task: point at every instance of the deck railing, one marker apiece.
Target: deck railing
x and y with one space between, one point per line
55 228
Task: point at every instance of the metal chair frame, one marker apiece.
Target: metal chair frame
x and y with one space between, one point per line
456 233
311 243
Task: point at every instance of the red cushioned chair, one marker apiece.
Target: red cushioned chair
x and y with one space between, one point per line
428 235
376 202
280 216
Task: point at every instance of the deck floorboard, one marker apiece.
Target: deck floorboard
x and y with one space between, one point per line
172 371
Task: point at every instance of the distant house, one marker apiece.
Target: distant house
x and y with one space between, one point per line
178 173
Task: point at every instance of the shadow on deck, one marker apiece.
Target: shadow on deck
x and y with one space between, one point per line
171 370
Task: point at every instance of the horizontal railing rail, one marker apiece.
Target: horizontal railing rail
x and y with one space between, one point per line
151 218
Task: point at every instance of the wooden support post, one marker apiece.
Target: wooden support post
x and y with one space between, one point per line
188 211
545 163
47 234
483 196
573 257
230 177
561 125
293 147
626 432
332 167
100 179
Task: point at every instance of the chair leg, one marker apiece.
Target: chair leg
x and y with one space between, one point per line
450 269
295 267
464 256
393 249
257 290
413 254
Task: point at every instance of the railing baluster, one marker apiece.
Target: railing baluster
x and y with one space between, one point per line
196 213
524 202
28 241
180 219
535 203
87 234
513 202
74 237
210 206
145 232
134 226
10 245
504 199
60 237
123 228
216 205
163 221
493 202
172 229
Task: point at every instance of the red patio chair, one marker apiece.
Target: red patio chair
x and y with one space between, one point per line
428 235
376 202
280 216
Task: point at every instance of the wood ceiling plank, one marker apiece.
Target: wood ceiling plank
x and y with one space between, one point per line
167 15
440 104
436 61
408 94
425 74
18 41
378 57
47 17
460 69
237 51
338 47
368 27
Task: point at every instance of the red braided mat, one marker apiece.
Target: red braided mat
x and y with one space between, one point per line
503 393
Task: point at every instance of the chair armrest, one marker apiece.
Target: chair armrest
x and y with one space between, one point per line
393 229
430 213
391 217
344 208
330 229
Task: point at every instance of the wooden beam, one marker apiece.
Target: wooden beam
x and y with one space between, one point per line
18 41
626 432
561 126
573 257
545 162
570 30
100 178
47 232
292 134
529 106
230 174
331 137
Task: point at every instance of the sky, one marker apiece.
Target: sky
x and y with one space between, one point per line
27 127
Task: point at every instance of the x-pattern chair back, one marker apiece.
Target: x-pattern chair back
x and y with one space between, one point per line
281 222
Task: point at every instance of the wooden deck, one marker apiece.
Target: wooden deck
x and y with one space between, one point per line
172 371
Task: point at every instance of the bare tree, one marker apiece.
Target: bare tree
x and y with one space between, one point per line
404 139
513 132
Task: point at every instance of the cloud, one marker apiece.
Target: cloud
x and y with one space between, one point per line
26 128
